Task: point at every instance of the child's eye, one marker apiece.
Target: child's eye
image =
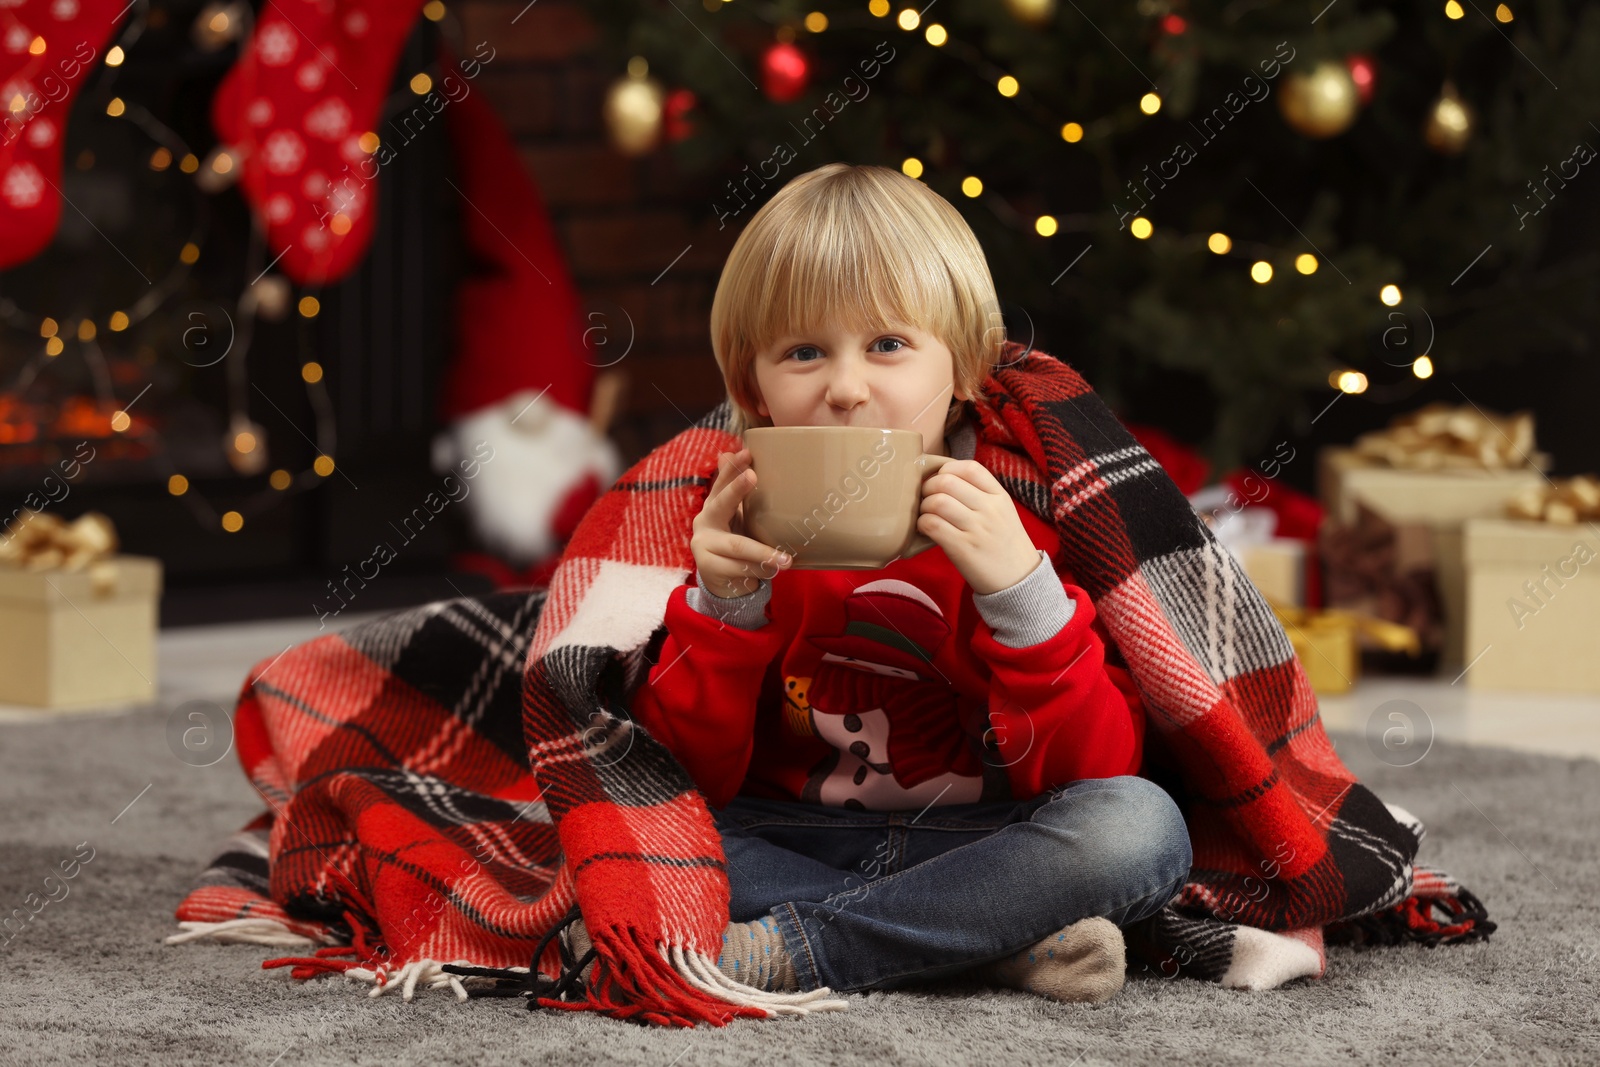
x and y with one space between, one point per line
795 353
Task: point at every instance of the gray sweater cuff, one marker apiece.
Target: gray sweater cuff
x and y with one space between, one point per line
747 612
1030 612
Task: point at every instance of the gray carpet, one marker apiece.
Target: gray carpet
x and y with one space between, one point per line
88 981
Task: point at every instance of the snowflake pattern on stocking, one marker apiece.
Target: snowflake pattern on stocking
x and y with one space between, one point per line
276 43
24 185
283 152
42 133
349 200
329 120
310 76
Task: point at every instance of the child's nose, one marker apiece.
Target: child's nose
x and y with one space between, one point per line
847 389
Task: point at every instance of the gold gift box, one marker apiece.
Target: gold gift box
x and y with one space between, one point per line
1328 643
77 621
1532 605
1278 569
78 638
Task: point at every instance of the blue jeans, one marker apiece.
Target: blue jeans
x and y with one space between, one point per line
876 899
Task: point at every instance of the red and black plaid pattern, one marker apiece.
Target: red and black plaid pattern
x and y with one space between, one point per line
446 782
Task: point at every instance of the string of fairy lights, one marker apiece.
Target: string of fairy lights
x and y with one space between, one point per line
1071 131
268 295
224 21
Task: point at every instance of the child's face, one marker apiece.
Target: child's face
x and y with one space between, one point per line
896 378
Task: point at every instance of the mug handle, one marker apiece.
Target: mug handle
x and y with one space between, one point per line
927 465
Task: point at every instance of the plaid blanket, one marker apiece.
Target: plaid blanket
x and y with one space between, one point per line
447 784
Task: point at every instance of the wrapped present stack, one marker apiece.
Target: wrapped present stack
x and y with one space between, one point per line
1397 501
78 621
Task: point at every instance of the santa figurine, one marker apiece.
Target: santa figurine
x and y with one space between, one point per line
523 399
549 463
525 385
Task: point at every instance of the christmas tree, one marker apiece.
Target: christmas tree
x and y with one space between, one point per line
1276 202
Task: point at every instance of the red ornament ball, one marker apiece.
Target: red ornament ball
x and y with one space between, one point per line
675 121
1364 72
785 70
1174 24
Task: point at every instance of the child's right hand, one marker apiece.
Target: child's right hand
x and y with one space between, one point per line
731 564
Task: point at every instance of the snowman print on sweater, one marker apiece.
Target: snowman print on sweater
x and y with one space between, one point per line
902 737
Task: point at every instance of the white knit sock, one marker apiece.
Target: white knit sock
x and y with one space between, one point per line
1086 962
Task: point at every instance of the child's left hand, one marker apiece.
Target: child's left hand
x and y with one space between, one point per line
967 512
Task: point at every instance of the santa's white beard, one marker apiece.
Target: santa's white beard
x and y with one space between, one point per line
541 452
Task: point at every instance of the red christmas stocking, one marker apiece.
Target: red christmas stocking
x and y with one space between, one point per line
310 82
46 49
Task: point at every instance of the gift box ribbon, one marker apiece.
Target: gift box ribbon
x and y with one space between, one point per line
44 542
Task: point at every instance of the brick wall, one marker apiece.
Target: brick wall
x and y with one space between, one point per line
620 220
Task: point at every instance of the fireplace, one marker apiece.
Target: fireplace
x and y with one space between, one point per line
154 368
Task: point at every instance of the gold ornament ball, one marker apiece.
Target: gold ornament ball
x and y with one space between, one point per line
1032 12
633 113
1320 103
1449 125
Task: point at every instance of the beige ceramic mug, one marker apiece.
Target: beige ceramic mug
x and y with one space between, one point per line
838 497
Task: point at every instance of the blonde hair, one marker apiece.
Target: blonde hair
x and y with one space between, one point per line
859 246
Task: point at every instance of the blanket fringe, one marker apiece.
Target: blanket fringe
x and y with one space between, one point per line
671 988
240 931
430 974
668 987
427 973
1433 920
702 973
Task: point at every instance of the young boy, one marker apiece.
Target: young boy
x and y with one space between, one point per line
926 768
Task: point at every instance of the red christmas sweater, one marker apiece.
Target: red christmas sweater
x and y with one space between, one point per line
892 689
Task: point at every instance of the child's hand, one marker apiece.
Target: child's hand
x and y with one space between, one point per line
730 563
967 512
